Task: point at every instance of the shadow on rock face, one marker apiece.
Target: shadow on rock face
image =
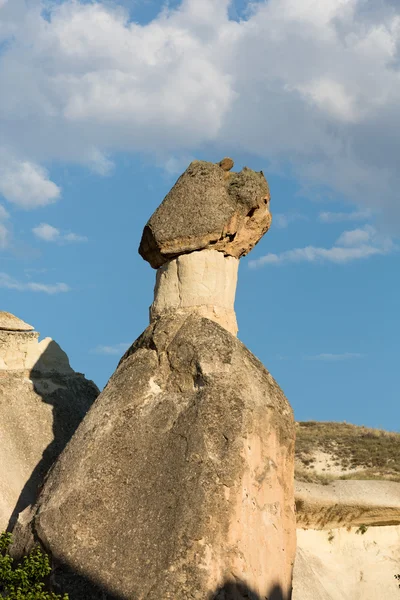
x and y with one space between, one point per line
67 580
240 591
70 396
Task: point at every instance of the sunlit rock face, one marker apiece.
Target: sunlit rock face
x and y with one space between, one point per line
42 400
200 282
179 482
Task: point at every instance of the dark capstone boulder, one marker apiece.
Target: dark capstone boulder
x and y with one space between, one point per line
208 207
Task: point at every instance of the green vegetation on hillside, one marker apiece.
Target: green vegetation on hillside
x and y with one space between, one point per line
372 453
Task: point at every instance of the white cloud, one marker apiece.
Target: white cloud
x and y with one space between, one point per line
99 162
116 349
340 217
4 236
74 237
4 233
331 97
8 282
350 246
25 184
48 233
48 288
335 357
312 84
174 165
315 254
356 237
3 213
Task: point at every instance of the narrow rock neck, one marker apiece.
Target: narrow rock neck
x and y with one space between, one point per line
203 282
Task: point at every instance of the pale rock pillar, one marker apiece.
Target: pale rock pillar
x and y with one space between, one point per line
202 282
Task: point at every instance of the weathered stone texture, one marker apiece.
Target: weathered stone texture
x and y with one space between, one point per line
10 322
22 351
201 282
208 207
181 475
42 401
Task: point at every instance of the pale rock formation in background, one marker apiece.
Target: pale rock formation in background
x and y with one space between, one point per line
21 350
178 484
42 400
348 540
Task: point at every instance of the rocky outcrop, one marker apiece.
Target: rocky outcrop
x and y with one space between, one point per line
42 401
208 207
179 482
179 477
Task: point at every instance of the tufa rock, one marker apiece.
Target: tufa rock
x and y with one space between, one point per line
9 322
21 350
208 208
179 482
180 477
201 282
42 401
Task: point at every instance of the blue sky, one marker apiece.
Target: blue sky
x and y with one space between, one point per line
104 104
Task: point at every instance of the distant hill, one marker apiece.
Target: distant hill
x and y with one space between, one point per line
327 451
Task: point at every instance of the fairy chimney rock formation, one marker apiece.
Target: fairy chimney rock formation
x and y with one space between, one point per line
209 219
179 482
21 350
42 401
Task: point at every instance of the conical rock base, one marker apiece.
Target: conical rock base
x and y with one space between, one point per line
179 479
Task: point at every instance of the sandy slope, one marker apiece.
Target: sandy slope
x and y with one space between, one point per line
335 560
345 565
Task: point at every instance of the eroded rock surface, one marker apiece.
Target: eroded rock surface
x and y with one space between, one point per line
179 478
201 282
42 401
178 484
9 322
208 207
348 540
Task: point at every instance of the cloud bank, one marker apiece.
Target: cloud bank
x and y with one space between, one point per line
351 245
310 85
329 357
4 233
48 233
10 283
